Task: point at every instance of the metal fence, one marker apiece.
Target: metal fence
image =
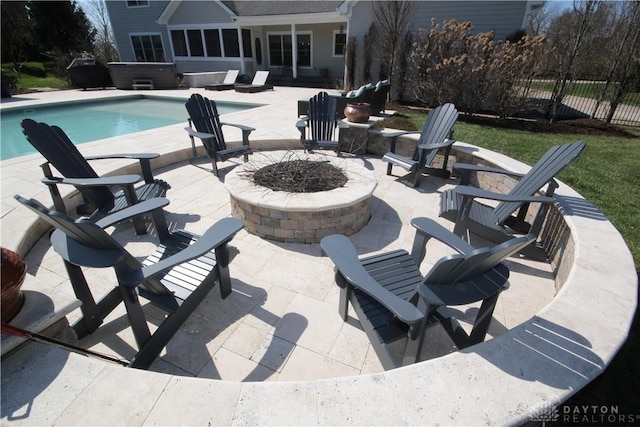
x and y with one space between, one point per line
587 98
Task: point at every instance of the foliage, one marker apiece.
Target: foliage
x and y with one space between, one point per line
350 63
57 30
393 20
397 121
369 41
473 71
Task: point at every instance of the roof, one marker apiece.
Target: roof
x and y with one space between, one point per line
266 8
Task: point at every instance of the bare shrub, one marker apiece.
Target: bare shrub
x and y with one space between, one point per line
473 71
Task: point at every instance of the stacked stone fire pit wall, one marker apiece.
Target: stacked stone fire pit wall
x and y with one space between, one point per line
302 217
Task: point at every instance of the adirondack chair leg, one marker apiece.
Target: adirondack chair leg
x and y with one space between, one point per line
345 297
132 199
214 167
53 189
483 320
464 210
136 316
222 259
154 345
92 314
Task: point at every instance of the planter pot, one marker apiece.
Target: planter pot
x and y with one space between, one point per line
357 113
13 273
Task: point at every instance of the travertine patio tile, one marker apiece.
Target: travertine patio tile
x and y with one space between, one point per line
308 325
304 364
351 345
273 352
234 367
213 405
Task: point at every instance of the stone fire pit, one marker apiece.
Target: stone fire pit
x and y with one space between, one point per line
301 217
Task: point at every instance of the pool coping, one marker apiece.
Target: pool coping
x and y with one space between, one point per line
507 380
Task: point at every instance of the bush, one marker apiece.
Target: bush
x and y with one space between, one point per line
473 71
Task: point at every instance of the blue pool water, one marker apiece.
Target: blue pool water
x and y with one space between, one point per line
92 120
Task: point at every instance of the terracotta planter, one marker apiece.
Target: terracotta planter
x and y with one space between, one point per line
13 273
357 113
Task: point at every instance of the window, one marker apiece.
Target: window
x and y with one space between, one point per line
212 39
280 48
179 43
148 48
196 47
137 3
212 43
339 41
230 42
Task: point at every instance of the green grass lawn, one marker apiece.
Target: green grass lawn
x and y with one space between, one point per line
35 75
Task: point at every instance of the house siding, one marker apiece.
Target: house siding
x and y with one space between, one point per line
202 12
126 21
502 17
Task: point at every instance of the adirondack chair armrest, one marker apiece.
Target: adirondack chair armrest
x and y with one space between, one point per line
426 228
194 133
136 156
302 126
467 191
119 180
241 127
217 235
132 211
465 169
143 158
246 130
341 251
431 146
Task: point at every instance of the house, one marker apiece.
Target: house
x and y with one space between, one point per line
217 35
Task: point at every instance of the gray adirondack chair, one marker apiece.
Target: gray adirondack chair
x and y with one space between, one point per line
498 223
203 115
318 130
176 277
393 301
98 199
436 134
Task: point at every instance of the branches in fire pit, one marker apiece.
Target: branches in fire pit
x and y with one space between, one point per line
300 176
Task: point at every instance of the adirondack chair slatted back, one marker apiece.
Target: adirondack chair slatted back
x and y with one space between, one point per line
436 129
59 150
553 161
100 249
322 117
456 268
203 113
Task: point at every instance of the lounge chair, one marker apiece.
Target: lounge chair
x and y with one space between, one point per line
498 223
436 134
320 124
176 277
228 82
258 84
203 115
393 301
98 199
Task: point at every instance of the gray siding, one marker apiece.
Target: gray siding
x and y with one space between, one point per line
200 12
125 20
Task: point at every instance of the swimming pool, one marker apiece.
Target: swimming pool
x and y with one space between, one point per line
92 120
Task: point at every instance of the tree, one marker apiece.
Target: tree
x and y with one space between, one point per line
570 40
61 26
393 20
104 47
16 42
